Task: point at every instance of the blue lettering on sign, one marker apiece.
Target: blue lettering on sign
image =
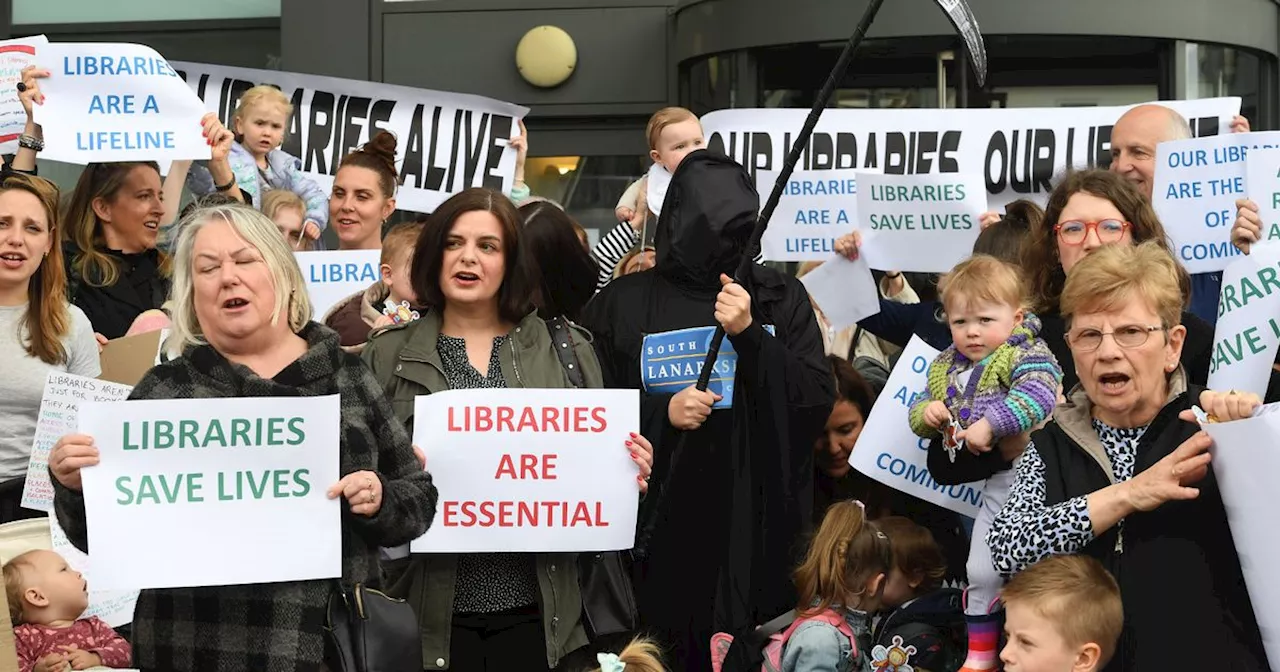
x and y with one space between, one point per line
116 65
96 140
361 273
672 360
919 475
824 245
1202 251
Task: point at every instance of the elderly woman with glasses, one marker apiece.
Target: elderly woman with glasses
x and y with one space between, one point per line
1122 473
1088 210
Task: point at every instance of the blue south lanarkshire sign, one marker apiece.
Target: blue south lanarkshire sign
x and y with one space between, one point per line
671 361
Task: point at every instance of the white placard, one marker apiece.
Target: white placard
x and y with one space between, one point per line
1018 151
529 470
925 223
817 207
14 56
1197 183
63 394
116 102
1262 179
447 142
336 275
1247 335
229 491
844 290
1245 461
891 453
113 606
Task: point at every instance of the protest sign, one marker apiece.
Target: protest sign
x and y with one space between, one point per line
891 453
113 606
1262 182
672 360
14 56
1245 462
926 223
529 470
230 491
816 207
334 276
447 141
844 290
1197 183
116 102
127 359
1247 335
59 412
1018 151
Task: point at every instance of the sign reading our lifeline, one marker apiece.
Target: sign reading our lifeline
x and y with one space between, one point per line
116 102
672 360
230 491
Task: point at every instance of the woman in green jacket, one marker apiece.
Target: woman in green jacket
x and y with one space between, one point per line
492 610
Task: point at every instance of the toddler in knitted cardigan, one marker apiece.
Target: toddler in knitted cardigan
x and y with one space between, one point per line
997 379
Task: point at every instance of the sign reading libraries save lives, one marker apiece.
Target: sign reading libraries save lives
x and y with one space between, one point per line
447 142
231 491
116 102
1017 151
529 470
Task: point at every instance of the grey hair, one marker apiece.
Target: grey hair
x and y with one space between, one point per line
1178 124
258 231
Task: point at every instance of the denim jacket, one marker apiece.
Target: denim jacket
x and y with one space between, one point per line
818 647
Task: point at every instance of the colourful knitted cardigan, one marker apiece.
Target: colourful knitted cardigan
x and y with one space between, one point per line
1014 388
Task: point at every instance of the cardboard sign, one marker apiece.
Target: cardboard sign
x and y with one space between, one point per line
816 208
891 453
1247 334
924 223
59 416
126 360
334 276
230 491
116 102
530 470
1197 184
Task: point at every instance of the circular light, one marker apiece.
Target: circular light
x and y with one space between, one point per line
546 56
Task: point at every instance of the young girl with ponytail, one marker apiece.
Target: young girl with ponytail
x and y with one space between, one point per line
842 575
641 655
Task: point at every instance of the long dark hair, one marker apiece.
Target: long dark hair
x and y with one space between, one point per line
567 273
515 295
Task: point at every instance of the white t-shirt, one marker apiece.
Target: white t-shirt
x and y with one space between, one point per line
22 382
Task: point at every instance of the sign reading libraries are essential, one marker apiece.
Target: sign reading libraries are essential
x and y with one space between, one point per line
447 142
529 470
230 491
332 276
1197 183
895 455
116 102
923 223
1016 151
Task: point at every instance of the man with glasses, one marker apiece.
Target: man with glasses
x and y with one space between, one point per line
1133 156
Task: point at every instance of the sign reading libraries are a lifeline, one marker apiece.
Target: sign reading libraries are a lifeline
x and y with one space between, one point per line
229 491
529 470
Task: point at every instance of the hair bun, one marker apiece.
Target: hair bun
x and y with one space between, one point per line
382 146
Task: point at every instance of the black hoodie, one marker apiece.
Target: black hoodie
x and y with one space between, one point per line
732 522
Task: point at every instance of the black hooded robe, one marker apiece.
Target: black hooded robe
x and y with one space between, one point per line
732 524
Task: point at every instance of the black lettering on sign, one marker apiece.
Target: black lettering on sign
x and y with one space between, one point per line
762 152
926 147
846 150
471 156
1205 127
997 159
318 131
823 152
356 112
947 161
454 148
1042 161
232 89
380 115
1100 147
499 129
412 165
895 154
293 139
1020 147
336 125
871 159
435 174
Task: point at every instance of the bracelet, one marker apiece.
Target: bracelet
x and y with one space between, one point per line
894 275
31 142
227 186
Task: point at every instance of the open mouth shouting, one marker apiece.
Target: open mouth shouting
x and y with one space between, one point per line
1114 383
235 304
466 279
12 259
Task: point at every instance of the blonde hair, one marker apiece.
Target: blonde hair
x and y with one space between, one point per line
664 118
257 230
845 553
399 241
262 94
982 278
278 199
640 655
1113 275
1076 594
81 227
14 585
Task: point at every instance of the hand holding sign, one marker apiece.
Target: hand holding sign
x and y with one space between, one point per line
29 92
70 454
1225 407
642 455
1248 226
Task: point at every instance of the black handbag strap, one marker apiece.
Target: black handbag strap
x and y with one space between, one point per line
562 338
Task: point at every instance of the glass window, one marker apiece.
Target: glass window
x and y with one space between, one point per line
27 12
588 187
1224 71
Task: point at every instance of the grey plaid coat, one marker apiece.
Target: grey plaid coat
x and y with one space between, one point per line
276 627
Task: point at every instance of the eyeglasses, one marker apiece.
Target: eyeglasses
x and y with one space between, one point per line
1107 230
1128 336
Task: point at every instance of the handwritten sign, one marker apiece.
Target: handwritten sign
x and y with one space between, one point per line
14 56
1197 183
230 491
530 470
113 606
117 102
59 411
889 452
816 207
1247 334
925 223
334 276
